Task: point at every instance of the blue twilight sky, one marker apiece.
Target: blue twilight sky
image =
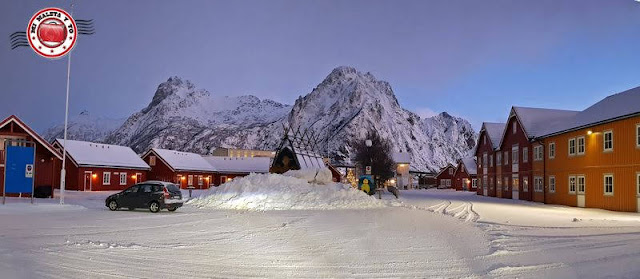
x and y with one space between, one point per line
472 58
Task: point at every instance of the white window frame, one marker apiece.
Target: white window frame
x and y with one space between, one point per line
106 178
152 160
536 153
552 150
506 161
200 180
569 146
538 184
584 147
637 184
525 184
575 184
514 126
491 161
474 183
552 183
638 135
123 178
604 141
584 183
604 184
525 154
190 180
515 155
498 159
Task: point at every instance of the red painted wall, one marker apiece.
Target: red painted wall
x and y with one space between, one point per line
524 168
485 145
160 171
445 175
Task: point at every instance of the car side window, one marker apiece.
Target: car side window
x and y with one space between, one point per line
132 189
146 188
157 188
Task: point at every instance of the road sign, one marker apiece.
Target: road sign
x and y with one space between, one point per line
28 172
368 169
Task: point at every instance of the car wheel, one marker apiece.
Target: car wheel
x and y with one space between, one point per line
154 207
172 209
113 205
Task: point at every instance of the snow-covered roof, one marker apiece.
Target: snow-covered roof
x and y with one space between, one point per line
239 164
494 131
184 161
28 130
612 107
539 121
402 157
86 153
470 165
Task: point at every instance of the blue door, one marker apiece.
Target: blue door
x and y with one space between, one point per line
19 169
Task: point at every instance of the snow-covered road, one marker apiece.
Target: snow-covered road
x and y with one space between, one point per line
430 234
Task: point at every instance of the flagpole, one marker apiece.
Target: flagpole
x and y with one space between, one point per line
63 172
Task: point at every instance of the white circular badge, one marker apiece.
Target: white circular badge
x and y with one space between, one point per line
52 32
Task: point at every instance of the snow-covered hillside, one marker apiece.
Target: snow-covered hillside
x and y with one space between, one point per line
340 110
85 127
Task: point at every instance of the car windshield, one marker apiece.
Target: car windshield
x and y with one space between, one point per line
172 188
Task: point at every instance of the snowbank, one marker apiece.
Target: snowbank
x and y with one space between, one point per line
284 192
317 176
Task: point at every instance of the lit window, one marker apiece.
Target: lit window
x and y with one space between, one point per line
552 184
190 180
123 178
106 178
200 180
552 150
580 145
525 184
608 140
572 147
152 160
608 184
525 154
572 184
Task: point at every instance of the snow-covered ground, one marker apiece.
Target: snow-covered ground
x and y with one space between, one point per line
434 233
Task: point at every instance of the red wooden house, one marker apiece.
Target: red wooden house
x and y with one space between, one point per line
101 167
465 176
189 170
228 168
445 176
46 170
487 162
524 126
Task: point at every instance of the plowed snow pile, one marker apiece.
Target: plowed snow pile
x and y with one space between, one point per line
295 190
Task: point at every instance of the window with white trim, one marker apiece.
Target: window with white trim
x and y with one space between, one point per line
637 135
525 154
484 159
450 171
491 161
498 159
572 184
572 146
506 158
538 184
514 154
152 160
200 180
123 178
608 184
525 184
506 184
552 150
106 178
190 180
538 153
514 127
638 184
474 183
552 184
608 140
581 184
580 145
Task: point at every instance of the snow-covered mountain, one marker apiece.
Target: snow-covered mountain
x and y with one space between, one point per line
183 117
85 127
348 103
340 109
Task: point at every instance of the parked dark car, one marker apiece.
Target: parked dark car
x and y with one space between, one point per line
154 195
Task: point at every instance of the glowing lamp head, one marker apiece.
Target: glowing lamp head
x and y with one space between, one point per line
134 176
94 176
182 178
589 132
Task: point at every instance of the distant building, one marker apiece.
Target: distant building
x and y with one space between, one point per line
228 168
244 153
445 176
189 170
489 159
101 167
465 177
403 164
